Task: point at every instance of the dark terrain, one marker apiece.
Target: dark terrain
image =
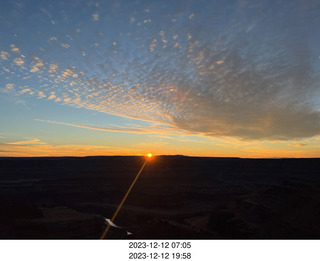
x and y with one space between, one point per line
175 197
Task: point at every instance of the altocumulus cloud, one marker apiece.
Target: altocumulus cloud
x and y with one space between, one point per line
248 70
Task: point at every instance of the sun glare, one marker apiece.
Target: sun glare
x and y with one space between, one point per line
149 155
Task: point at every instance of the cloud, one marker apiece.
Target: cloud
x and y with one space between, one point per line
19 61
14 48
253 75
95 16
34 69
53 68
26 142
191 16
36 64
41 95
52 96
27 90
153 44
4 55
65 45
9 88
153 129
37 148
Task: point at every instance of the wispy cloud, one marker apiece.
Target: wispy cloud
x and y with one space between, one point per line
153 129
26 142
65 45
35 147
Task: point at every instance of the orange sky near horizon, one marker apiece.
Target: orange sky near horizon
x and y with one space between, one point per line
187 147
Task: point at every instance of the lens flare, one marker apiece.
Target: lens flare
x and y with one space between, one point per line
123 200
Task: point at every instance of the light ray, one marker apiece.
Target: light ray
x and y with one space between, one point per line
123 200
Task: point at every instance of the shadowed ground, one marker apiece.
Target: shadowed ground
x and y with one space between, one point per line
175 197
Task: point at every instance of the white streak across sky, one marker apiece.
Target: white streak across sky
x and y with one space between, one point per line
246 69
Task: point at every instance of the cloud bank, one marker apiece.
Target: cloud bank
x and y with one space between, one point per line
248 70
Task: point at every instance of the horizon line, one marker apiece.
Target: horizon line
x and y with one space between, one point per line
162 155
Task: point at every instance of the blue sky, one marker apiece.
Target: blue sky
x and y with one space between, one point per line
207 78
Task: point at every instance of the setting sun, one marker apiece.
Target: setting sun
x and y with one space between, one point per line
149 155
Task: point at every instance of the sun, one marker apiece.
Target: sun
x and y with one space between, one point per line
149 155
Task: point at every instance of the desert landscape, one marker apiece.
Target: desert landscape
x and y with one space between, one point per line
176 197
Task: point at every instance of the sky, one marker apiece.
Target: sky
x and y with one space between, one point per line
191 77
